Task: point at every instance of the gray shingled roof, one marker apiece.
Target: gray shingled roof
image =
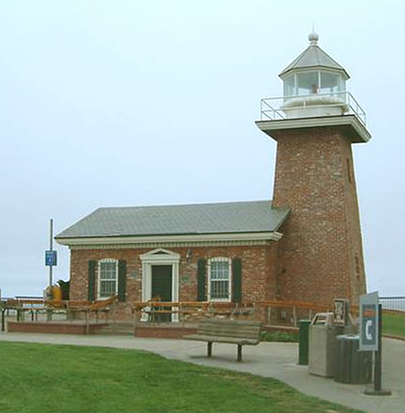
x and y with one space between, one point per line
234 217
313 56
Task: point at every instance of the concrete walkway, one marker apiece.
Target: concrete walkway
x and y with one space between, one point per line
277 360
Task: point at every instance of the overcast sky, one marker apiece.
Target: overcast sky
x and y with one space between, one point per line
126 102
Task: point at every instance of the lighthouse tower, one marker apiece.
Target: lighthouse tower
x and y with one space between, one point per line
315 123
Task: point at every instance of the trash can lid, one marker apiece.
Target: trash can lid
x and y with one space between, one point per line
348 337
323 319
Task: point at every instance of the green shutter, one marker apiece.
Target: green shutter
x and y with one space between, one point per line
201 264
122 280
92 280
236 280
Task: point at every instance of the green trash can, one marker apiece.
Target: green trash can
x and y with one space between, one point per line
303 328
351 365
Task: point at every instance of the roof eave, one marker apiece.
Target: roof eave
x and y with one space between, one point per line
288 71
120 240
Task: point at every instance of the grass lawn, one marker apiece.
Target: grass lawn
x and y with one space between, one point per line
58 379
394 324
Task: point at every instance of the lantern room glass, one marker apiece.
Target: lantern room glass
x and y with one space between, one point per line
331 83
312 83
289 86
307 83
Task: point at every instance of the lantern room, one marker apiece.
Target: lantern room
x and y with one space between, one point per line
314 82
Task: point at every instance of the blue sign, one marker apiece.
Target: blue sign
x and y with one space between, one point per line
50 258
369 322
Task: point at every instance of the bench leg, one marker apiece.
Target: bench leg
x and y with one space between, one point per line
239 352
209 349
3 321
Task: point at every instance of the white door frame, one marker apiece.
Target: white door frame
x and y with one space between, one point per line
159 256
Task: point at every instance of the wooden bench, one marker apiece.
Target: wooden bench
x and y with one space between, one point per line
228 331
104 306
88 307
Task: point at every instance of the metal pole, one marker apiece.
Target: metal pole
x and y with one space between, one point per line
51 249
378 355
3 324
49 311
377 390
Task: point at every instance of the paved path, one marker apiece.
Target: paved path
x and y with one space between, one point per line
277 360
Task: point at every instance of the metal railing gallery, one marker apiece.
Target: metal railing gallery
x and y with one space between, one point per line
275 108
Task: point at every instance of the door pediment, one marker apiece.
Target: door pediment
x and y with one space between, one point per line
160 255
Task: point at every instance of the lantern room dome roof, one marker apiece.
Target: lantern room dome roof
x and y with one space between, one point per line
314 57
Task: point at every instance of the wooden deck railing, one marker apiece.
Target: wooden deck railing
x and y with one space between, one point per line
274 311
35 306
158 311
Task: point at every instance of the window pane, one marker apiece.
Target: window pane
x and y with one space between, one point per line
307 83
220 270
329 82
107 270
107 288
219 290
289 86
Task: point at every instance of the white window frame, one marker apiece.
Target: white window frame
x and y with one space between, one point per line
106 260
220 259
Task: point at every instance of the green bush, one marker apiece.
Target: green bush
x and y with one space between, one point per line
279 336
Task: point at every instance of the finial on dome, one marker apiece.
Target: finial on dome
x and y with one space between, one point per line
313 38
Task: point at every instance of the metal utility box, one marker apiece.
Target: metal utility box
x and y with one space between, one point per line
303 342
323 344
351 365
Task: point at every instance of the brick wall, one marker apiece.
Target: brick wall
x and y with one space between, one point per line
259 265
321 252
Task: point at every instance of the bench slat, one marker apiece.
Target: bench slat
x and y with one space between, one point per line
217 339
234 331
227 333
229 329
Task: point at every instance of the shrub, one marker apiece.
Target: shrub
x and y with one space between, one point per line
279 336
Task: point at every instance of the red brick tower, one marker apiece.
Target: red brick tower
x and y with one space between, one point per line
315 123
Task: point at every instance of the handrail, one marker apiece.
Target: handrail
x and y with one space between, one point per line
272 108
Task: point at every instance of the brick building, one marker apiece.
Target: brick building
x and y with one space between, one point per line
304 245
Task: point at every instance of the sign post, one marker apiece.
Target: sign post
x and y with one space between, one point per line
370 338
50 261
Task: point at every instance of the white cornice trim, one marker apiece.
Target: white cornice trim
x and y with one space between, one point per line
168 239
321 121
